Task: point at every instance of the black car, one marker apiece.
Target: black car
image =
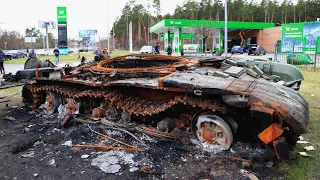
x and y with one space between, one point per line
256 50
16 54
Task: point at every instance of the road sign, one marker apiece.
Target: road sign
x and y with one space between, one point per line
30 39
47 24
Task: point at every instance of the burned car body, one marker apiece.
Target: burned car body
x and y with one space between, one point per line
218 100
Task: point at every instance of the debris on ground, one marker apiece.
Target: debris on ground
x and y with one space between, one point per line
301 138
304 154
67 143
111 161
28 154
85 156
11 119
302 142
249 174
309 148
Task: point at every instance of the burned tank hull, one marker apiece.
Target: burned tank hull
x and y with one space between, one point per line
218 100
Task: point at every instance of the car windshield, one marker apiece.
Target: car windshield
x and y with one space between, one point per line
13 51
146 48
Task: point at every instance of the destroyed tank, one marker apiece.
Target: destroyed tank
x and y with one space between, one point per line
219 100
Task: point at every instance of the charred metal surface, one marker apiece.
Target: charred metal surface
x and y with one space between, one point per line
170 91
286 103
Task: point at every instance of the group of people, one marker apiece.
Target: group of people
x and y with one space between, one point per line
104 52
169 49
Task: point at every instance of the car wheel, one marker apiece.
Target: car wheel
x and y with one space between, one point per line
264 53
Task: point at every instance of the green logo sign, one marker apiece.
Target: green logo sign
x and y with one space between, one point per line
62 14
294 31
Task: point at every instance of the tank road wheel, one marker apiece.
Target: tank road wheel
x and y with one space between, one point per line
106 109
53 100
213 131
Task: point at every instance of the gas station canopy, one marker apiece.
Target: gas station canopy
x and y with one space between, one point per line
167 24
174 30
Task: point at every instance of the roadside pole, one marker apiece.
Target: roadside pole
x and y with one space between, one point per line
275 53
225 28
47 38
315 58
108 26
292 59
130 36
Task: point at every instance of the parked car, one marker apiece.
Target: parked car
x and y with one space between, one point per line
237 49
70 51
84 49
42 52
16 54
146 50
256 50
7 56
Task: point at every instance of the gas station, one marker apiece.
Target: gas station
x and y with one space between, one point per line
174 31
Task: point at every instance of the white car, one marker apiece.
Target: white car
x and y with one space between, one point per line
42 52
146 50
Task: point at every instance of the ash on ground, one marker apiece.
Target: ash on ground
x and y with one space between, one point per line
36 147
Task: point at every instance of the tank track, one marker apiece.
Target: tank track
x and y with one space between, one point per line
129 103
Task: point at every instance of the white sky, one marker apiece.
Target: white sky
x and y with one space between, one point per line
81 14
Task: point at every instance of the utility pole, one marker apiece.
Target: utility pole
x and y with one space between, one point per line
44 42
148 6
128 29
108 26
113 38
294 13
225 28
47 37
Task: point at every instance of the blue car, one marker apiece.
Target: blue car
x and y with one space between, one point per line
237 49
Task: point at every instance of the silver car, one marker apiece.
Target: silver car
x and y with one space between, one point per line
146 50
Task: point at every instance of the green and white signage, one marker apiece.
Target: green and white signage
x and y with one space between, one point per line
62 14
294 31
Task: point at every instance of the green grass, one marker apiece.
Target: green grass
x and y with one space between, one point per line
10 91
14 100
307 167
66 58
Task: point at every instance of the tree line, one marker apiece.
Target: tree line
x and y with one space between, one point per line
269 11
12 40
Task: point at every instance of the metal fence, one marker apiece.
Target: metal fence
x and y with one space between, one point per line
298 55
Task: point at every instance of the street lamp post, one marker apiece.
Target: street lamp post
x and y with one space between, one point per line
225 29
108 26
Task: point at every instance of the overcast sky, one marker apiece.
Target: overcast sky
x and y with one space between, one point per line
81 14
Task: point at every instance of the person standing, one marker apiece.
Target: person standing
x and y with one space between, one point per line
97 52
156 48
27 52
32 52
169 50
56 53
2 56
